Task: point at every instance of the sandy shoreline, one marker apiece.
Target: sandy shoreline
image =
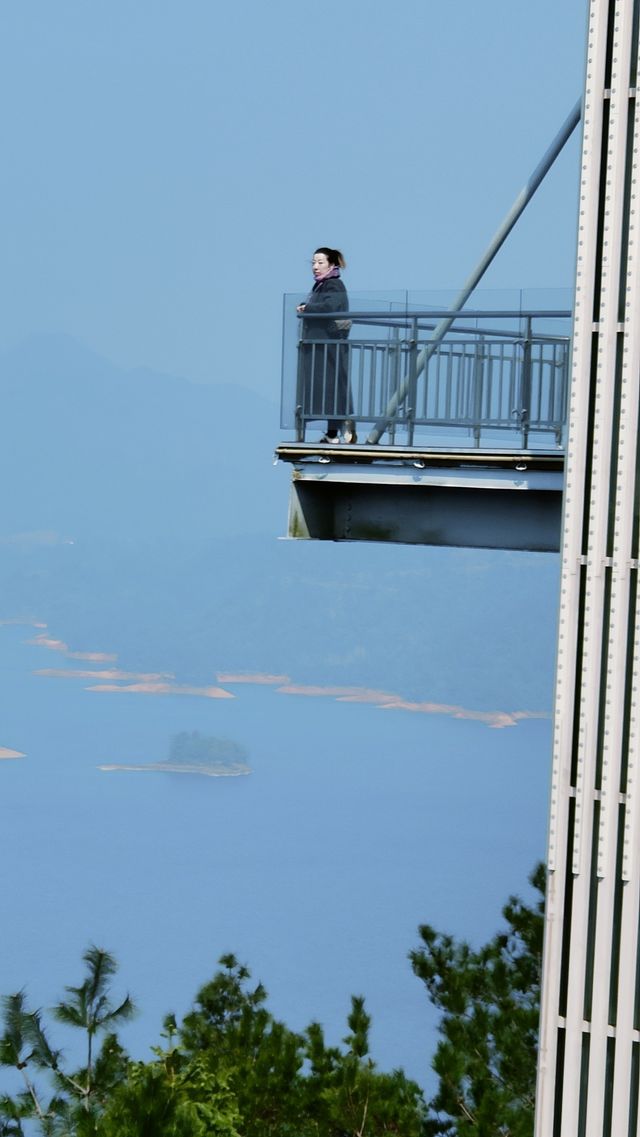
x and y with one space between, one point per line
232 771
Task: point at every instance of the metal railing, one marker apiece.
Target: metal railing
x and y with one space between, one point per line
498 371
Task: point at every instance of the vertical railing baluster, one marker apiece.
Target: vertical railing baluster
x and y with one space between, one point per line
395 358
413 379
299 411
477 381
525 398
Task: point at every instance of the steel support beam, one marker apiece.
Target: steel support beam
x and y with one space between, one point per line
589 1060
422 504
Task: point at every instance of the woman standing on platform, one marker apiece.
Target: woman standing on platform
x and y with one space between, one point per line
324 355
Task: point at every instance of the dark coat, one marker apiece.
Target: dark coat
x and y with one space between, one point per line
323 371
328 295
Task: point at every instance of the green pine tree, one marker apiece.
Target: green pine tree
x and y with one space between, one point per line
489 1000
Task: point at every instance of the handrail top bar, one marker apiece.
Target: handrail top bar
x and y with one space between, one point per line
399 322
468 313
430 324
487 335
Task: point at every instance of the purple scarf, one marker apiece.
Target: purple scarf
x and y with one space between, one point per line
335 271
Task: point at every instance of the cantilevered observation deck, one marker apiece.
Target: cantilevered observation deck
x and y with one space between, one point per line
460 417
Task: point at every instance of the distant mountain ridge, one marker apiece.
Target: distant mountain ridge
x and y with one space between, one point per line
91 448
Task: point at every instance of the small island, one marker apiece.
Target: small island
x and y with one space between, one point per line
193 753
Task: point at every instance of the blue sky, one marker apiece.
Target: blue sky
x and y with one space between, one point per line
169 167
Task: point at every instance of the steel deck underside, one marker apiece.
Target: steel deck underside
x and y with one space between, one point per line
488 499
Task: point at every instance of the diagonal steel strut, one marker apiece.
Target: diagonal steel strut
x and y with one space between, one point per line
518 207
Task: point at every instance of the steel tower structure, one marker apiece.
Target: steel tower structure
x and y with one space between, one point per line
589 1058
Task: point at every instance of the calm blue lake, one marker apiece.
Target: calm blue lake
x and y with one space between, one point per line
356 825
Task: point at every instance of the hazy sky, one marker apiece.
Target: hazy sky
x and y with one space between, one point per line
168 168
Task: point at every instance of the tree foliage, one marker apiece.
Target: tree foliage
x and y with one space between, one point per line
293 1085
230 1069
489 1001
193 748
64 1100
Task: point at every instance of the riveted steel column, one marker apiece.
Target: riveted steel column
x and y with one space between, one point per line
588 1070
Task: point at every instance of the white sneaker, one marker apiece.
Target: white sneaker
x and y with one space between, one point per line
349 431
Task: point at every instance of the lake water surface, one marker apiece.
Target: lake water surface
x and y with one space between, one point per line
356 825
